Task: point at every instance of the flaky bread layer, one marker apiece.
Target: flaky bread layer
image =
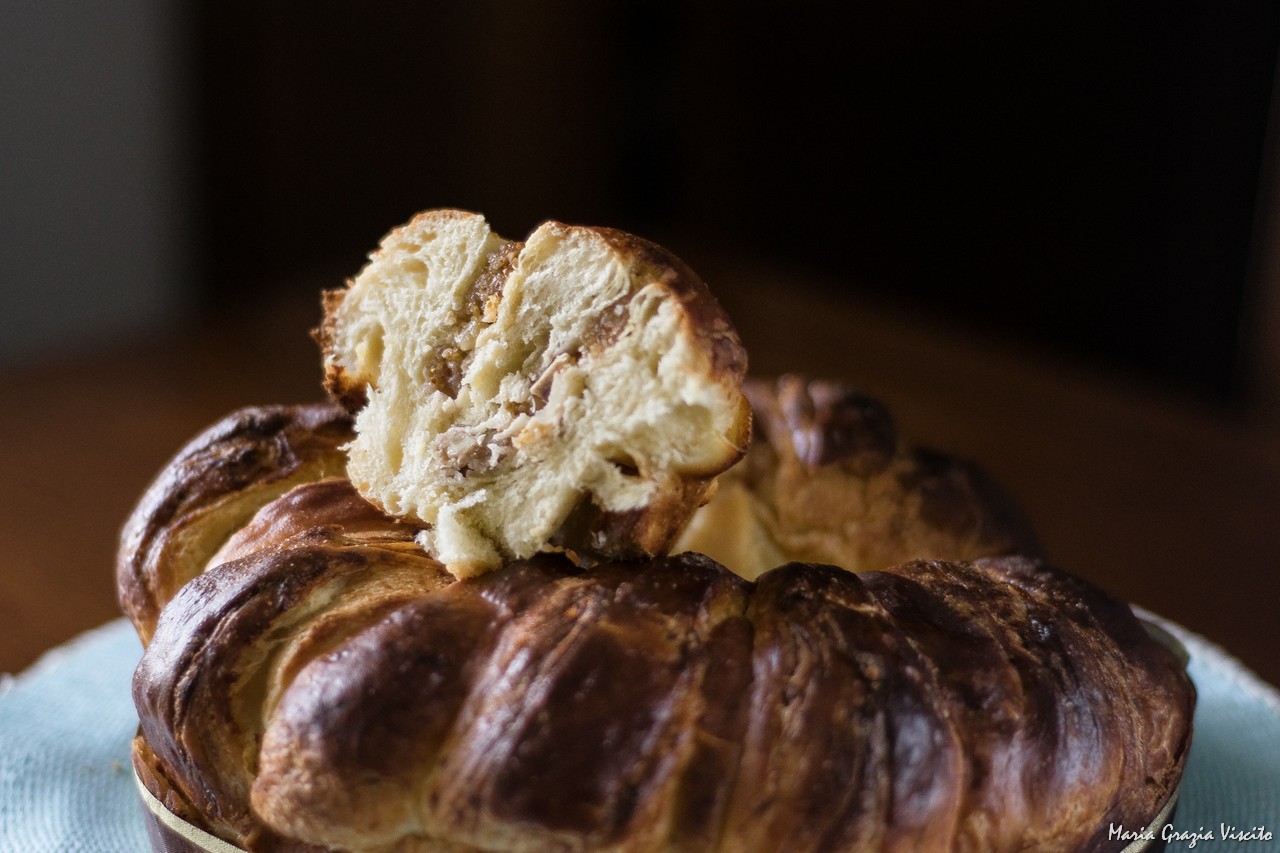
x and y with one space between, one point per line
581 389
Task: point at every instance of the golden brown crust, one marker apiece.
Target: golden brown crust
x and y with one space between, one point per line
211 487
1055 684
706 320
952 510
828 480
328 510
591 531
812 710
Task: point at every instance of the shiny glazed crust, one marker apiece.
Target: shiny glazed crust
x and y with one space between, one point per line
325 684
211 487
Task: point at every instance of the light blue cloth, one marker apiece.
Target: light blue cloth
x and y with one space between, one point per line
66 784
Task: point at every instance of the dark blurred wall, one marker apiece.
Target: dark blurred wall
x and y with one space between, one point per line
94 235
1081 175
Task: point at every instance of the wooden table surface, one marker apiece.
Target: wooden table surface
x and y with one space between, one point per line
1167 504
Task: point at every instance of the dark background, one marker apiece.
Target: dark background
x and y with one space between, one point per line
1043 233
1082 176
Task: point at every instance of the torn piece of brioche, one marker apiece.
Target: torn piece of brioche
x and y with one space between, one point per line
581 389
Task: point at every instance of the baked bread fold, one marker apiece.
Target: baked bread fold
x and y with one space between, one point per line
580 389
827 479
211 487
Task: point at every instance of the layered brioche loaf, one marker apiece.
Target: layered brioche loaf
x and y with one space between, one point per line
324 684
472 604
581 388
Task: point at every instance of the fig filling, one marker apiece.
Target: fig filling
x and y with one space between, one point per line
477 449
447 365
